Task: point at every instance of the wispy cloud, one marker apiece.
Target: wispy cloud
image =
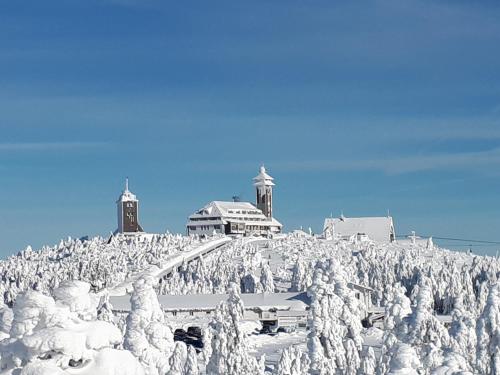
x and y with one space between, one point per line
391 166
398 165
50 146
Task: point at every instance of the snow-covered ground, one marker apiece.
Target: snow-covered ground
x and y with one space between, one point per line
442 308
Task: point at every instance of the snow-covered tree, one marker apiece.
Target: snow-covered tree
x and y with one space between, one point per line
248 282
425 331
299 281
368 362
488 334
266 278
397 306
453 364
229 351
147 335
404 361
463 338
105 309
334 320
292 362
46 337
177 359
191 365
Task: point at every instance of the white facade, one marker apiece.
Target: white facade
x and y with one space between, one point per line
380 229
239 218
231 218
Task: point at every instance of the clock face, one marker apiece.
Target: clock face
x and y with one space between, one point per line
130 217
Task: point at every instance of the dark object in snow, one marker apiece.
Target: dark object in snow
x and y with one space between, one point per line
192 338
195 332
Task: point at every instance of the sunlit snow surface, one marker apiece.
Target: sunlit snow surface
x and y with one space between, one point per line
51 324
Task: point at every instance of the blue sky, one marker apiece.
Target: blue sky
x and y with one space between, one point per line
354 106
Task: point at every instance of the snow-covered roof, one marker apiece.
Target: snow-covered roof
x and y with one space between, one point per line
376 228
203 302
233 211
263 179
127 195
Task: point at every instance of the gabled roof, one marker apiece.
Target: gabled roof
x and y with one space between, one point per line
235 211
221 208
376 228
233 207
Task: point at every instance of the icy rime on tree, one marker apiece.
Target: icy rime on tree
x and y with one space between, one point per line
96 261
334 341
229 349
50 336
147 335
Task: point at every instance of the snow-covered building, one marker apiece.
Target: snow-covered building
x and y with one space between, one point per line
128 212
239 218
278 309
380 229
281 309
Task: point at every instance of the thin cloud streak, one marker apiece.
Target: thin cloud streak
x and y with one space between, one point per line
409 164
51 146
390 166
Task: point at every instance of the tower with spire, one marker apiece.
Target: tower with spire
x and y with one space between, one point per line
128 212
264 188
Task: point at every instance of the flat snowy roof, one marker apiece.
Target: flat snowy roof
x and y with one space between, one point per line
263 301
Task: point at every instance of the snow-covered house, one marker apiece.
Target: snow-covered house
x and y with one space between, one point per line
239 218
380 229
281 309
231 218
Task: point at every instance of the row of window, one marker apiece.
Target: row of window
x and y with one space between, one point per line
204 227
247 218
234 227
243 212
229 218
204 218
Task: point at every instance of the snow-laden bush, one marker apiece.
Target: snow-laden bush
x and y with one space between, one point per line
46 337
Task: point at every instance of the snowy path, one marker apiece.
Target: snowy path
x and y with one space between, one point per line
272 346
173 262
